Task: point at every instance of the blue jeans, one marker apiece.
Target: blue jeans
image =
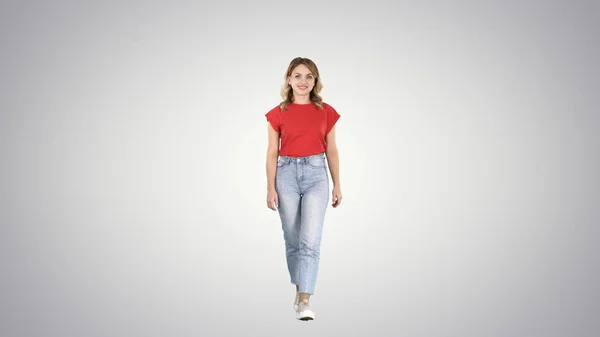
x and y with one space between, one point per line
302 186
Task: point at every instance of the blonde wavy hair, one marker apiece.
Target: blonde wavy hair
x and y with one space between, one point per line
286 90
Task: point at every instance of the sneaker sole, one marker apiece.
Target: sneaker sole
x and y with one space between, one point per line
306 316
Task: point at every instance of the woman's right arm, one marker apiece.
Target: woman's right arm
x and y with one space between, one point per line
271 166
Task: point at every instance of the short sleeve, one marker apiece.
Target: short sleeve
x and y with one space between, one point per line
332 118
273 117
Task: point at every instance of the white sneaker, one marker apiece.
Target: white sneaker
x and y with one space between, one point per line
303 311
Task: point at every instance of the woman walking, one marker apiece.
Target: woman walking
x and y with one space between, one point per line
297 177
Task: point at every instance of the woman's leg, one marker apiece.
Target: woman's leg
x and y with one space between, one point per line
289 212
313 206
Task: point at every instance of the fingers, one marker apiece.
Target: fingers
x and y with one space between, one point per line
273 204
336 200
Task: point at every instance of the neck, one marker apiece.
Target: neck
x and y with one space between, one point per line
302 100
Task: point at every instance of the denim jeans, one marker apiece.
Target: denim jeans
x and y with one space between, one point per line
302 186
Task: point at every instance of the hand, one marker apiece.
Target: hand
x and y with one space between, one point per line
272 200
336 197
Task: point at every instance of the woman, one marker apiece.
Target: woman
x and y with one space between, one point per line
297 179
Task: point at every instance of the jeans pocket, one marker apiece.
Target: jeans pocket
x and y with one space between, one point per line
316 162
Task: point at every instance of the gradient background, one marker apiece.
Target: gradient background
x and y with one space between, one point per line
133 184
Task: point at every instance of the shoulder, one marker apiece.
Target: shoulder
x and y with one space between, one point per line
329 108
274 111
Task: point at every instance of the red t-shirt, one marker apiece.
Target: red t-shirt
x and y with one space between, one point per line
302 128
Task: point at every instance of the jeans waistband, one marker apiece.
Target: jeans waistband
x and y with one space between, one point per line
303 159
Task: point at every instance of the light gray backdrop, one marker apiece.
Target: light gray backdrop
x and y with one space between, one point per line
133 184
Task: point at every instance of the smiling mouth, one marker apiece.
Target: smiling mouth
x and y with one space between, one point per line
302 88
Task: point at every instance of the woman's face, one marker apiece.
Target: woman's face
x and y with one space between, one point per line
301 80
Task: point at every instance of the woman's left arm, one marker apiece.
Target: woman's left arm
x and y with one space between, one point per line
333 161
